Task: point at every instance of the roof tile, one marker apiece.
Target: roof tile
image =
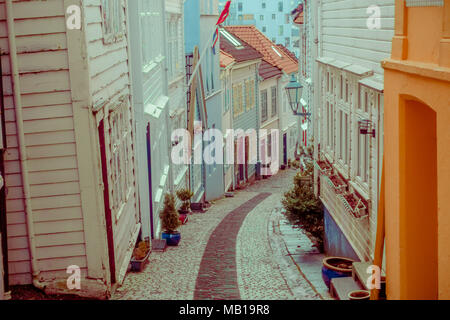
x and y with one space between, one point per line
262 44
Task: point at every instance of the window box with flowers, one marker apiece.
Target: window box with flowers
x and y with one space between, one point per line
354 204
324 167
337 183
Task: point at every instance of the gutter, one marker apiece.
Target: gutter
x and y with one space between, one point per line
21 139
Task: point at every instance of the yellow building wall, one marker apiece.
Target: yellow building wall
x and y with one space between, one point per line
417 154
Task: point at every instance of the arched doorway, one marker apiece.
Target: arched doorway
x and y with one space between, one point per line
418 201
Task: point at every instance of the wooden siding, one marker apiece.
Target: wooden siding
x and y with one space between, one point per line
50 144
345 34
110 82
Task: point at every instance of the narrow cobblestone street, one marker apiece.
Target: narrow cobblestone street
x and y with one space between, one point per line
230 252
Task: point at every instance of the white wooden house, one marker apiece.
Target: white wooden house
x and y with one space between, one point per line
150 99
176 76
342 57
70 170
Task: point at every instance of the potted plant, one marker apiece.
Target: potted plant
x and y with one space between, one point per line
185 196
140 255
336 267
170 220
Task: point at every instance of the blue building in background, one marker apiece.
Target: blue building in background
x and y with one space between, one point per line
271 17
200 20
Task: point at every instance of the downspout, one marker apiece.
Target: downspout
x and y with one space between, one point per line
21 139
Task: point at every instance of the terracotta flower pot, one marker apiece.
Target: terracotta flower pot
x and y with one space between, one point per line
359 295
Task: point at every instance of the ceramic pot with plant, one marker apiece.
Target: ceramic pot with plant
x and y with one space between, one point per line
185 196
170 220
140 255
336 267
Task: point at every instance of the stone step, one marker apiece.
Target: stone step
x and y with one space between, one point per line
341 287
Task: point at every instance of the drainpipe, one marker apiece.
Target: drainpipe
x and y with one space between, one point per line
21 139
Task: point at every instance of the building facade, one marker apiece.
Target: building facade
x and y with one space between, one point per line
209 14
176 76
244 108
273 18
226 64
417 153
343 86
276 57
72 156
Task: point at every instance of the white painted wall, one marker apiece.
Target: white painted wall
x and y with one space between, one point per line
345 35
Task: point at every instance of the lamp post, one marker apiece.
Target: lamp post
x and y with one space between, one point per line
294 91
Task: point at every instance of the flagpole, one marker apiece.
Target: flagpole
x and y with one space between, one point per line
199 61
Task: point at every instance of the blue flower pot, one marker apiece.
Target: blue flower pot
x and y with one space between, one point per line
336 267
172 239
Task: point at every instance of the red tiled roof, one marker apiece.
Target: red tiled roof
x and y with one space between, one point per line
267 71
241 54
225 59
260 42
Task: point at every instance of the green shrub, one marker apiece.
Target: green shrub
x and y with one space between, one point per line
170 218
303 208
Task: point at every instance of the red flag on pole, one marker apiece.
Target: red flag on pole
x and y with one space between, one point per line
222 18
224 14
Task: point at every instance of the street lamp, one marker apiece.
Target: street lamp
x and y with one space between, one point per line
294 92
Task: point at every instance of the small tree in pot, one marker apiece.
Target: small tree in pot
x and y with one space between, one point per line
170 220
185 195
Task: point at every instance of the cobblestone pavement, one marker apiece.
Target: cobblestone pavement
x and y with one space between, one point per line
254 263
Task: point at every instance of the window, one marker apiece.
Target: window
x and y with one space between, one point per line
280 30
230 38
151 18
113 20
280 6
274 16
174 64
346 90
363 156
238 107
263 105
274 101
121 151
249 94
287 42
269 145
328 82
261 17
346 155
264 29
288 18
328 126
240 6
263 5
